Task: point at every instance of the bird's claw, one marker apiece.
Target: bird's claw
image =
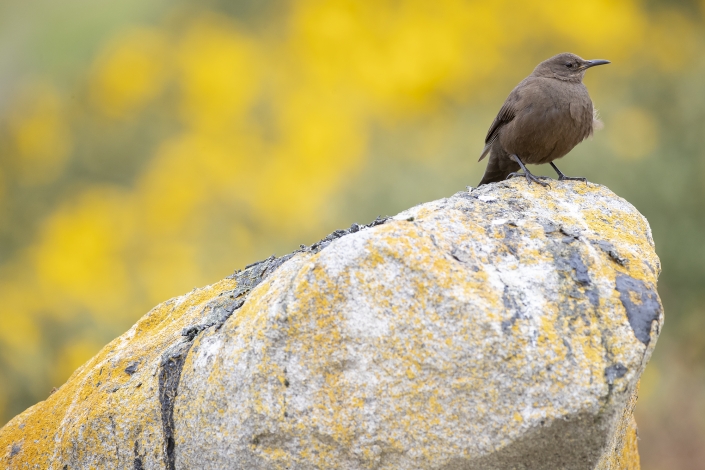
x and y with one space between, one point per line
530 178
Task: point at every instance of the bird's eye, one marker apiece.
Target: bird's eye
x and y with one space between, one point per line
569 65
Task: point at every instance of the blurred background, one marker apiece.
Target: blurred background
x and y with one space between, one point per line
150 147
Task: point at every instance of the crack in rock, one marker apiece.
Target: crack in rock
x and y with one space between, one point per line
609 248
169 375
138 465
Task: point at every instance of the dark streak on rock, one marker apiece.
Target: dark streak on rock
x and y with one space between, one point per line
510 237
169 376
463 257
571 232
548 226
567 345
113 428
318 246
132 368
581 271
435 243
641 315
511 304
138 465
608 248
615 371
651 268
593 296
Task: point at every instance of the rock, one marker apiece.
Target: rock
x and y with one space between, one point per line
505 327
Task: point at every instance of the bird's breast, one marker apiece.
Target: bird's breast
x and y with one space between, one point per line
551 121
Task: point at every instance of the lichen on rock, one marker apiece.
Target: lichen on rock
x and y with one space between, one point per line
503 327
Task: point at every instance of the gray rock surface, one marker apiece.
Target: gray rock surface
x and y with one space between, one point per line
505 327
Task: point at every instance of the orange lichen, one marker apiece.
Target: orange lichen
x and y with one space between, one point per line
83 405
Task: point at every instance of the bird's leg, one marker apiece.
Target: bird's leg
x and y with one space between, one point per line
527 173
562 177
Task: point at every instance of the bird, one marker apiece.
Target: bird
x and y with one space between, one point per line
543 118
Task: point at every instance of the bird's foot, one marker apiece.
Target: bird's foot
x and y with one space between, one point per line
530 178
563 177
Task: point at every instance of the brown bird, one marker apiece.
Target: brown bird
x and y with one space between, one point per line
543 118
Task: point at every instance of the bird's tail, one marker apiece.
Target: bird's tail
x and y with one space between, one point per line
498 168
493 177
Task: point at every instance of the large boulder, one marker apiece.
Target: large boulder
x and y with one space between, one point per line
503 327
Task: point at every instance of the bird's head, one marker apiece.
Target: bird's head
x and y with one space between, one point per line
566 66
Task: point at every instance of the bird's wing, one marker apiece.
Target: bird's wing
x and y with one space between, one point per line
505 115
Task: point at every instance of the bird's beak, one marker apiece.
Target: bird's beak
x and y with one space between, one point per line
592 63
